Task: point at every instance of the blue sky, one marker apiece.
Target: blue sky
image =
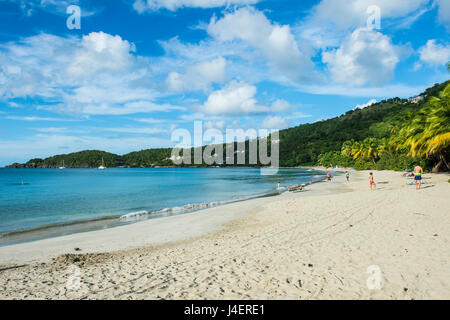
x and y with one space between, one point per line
138 69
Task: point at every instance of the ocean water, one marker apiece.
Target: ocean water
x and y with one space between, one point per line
42 203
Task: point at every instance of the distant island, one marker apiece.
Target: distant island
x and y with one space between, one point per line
391 134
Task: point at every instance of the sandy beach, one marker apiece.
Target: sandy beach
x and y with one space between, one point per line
336 240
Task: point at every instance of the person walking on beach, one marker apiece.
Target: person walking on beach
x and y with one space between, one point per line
347 176
328 176
418 171
372 183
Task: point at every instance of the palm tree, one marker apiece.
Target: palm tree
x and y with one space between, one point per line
366 149
383 146
428 132
347 148
357 150
370 147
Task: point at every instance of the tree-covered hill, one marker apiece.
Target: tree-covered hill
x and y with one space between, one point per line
320 142
304 144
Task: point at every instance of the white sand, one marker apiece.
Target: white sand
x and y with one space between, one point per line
317 244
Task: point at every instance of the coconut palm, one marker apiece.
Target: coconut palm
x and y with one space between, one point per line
428 132
357 150
370 149
347 148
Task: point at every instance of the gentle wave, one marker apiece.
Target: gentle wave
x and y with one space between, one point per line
125 218
139 215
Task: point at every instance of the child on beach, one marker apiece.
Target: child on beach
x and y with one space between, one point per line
372 183
328 177
347 176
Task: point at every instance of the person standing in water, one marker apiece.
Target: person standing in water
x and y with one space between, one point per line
418 171
372 183
279 185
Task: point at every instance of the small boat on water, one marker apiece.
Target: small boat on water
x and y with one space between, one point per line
62 167
102 167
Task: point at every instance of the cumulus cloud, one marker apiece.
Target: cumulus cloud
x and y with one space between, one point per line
275 122
99 52
198 77
275 42
366 56
142 6
365 105
97 74
238 98
435 54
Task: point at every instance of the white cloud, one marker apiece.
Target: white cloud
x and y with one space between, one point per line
275 122
330 20
33 118
215 124
51 130
444 12
235 98
133 130
382 92
238 98
142 6
150 120
97 74
345 14
198 77
99 52
57 7
366 56
365 105
435 54
275 42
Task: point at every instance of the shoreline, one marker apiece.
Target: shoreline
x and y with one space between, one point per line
65 228
317 244
25 252
54 230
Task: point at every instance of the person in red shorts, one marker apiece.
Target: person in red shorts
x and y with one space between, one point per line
373 186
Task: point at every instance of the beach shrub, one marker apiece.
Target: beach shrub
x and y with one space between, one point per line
398 162
335 158
364 164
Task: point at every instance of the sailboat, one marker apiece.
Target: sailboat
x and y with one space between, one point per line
62 167
102 167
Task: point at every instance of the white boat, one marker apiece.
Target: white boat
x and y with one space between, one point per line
62 167
102 167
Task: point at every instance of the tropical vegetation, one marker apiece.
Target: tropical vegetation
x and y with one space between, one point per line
391 134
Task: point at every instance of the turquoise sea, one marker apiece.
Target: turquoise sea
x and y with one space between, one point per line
42 203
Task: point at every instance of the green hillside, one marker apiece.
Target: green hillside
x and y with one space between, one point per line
364 138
